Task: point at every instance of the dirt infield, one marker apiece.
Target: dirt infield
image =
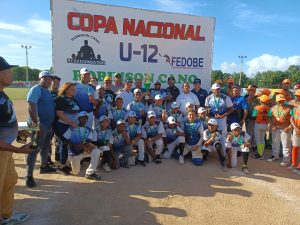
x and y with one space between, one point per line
162 194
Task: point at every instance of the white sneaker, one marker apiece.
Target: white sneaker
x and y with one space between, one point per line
181 160
245 170
283 164
17 218
106 167
296 171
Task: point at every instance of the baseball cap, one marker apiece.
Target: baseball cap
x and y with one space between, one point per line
158 96
212 121
131 114
174 105
84 71
4 65
83 113
99 86
117 75
129 81
215 86
120 122
103 117
279 91
251 86
171 78
234 125
118 97
45 73
266 92
201 110
137 90
297 92
56 77
107 78
151 114
264 98
171 120
188 104
280 97
236 86
197 81
157 82
286 81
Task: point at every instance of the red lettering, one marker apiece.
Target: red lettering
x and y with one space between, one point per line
190 33
179 30
165 31
99 22
140 29
86 18
111 26
152 24
71 16
198 37
128 26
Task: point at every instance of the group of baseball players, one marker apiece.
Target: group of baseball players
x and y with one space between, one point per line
118 124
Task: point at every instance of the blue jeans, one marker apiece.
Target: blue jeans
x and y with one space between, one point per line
125 151
42 142
60 129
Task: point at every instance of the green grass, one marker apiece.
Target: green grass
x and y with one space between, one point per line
17 93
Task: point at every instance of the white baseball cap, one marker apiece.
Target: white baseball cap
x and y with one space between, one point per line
84 71
215 86
212 121
45 73
100 86
151 114
157 97
131 114
234 125
137 90
174 105
171 120
201 110
118 96
103 117
120 122
188 104
83 113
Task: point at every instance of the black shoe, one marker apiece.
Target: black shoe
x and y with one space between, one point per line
157 159
93 176
50 162
147 159
30 181
125 166
47 169
142 162
63 170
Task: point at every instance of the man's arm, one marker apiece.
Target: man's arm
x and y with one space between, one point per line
32 109
25 149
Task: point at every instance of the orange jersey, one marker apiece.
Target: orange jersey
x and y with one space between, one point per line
287 95
262 113
294 103
281 116
296 116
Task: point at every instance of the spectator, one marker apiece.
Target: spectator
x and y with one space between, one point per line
199 92
186 97
118 85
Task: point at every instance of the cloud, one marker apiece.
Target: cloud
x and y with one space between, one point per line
179 6
12 27
40 26
229 67
270 62
248 18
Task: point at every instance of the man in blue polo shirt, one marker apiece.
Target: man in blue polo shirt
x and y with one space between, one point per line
199 92
41 116
86 97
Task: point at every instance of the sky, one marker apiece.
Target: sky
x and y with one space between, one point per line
267 32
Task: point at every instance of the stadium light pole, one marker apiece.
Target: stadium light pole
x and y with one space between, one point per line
242 57
26 50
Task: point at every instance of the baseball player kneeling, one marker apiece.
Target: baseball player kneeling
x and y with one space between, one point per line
79 142
174 136
152 133
238 140
135 134
193 130
212 141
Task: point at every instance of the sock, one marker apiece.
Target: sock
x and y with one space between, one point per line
259 149
295 151
245 158
181 148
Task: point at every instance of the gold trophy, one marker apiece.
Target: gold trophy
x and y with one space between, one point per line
147 83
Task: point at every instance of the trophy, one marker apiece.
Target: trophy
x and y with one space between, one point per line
147 84
33 131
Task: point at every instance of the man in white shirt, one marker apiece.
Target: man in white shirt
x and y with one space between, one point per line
187 96
126 94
